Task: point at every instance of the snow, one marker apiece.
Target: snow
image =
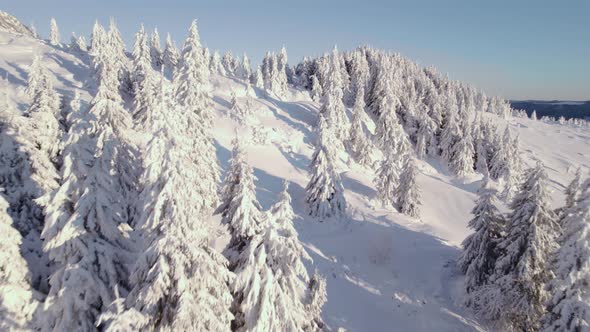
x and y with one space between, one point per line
384 270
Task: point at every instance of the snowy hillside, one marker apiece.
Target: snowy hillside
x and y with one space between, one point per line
385 271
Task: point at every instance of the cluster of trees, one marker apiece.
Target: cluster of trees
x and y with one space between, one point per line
124 249
121 247
529 270
415 112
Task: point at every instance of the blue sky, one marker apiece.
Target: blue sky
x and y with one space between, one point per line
520 49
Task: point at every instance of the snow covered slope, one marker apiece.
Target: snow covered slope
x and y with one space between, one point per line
385 271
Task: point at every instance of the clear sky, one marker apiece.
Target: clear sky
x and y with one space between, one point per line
519 49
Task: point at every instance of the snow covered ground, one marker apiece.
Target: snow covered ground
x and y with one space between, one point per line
385 271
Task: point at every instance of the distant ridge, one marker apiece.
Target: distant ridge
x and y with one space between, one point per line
554 108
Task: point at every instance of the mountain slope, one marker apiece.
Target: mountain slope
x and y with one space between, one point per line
385 271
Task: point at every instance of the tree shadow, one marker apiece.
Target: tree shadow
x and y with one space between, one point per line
11 78
356 186
79 72
21 72
299 160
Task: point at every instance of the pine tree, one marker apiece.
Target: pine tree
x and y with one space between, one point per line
534 115
98 39
358 143
271 288
451 131
409 192
360 74
53 33
44 112
87 216
142 75
282 71
178 274
156 51
36 75
480 250
316 89
481 150
324 192
215 66
333 108
170 58
569 306
522 268
463 152
21 191
317 299
246 68
426 136
18 302
257 78
191 90
239 208
572 191
116 49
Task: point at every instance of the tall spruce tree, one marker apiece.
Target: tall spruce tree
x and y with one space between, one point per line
324 192
87 216
191 90
569 305
478 258
522 269
178 274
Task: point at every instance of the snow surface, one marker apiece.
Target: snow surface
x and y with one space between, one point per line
385 271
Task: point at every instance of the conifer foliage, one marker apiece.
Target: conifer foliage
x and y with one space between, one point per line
522 268
325 193
569 305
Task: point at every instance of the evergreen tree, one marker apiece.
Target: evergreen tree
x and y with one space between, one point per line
426 137
271 285
98 39
36 75
477 261
18 302
53 33
522 268
358 143
569 306
316 89
333 108
409 192
41 133
239 208
142 75
215 65
324 192
360 74
451 131
246 68
87 216
170 58
463 152
317 299
178 274
156 51
257 78
534 115
191 90
21 191
572 191
116 48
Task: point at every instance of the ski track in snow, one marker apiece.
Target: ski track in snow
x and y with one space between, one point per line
385 271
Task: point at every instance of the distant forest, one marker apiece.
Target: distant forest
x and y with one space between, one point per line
554 108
